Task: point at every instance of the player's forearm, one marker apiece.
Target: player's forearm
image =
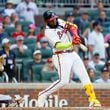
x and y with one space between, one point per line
62 46
69 25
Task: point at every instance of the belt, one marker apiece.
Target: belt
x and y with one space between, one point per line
60 52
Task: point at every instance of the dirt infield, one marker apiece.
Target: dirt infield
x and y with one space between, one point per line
66 108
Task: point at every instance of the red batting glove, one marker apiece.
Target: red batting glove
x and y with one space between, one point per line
76 40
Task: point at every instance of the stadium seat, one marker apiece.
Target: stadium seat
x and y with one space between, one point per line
36 73
25 55
1 79
19 60
31 47
98 67
106 24
26 66
29 41
24 23
93 14
19 66
105 30
12 40
98 71
22 18
37 30
97 74
46 53
10 30
85 27
108 13
25 30
49 76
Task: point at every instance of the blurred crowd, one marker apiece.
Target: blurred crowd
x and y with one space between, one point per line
27 53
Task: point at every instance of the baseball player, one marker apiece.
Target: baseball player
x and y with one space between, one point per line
63 36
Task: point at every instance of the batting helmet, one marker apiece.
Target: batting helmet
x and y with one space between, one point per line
49 16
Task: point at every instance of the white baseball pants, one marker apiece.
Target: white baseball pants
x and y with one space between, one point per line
65 64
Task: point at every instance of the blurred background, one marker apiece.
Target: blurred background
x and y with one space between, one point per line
27 53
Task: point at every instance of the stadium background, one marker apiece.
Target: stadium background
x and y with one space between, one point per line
65 7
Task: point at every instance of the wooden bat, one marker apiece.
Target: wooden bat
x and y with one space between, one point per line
106 45
83 47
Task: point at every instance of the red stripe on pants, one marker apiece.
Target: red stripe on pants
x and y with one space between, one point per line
58 80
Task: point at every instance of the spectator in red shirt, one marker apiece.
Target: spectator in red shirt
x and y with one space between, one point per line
18 31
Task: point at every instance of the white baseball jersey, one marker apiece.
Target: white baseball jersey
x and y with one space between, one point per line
58 34
65 62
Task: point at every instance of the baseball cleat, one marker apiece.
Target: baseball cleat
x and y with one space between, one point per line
41 100
94 103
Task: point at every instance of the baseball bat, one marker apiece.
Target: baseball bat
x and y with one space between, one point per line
106 45
83 47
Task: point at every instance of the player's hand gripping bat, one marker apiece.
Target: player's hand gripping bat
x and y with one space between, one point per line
76 39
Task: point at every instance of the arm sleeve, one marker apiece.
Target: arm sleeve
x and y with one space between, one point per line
62 46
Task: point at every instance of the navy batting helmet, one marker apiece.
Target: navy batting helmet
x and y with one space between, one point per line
49 16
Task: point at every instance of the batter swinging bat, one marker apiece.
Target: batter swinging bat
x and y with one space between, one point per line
83 47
